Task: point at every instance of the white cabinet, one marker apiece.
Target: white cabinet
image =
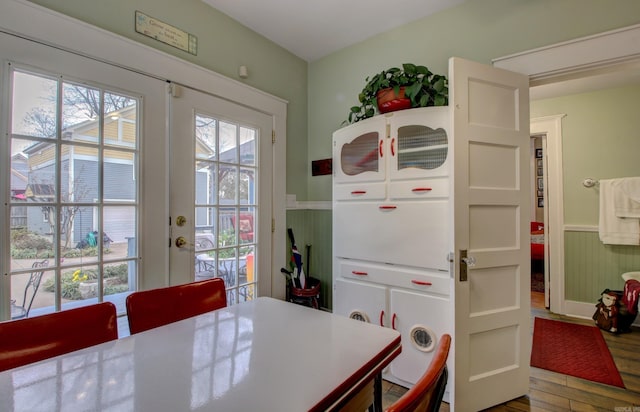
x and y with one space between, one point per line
419 317
380 210
386 269
430 224
413 301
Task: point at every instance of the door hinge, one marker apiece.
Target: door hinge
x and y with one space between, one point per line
273 136
174 90
273 225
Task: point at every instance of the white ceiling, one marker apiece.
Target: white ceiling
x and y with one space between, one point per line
314 29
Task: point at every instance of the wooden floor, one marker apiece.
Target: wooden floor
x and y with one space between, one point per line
550 391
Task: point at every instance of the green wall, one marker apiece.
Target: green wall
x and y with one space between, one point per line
479 30
482 30
599 140
223 46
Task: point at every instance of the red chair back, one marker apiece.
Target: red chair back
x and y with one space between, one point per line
149 309
30 340
426 394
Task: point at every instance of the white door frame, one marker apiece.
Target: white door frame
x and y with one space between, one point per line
607 51
551 128
51 28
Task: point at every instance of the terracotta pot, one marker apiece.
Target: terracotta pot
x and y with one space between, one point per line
389 102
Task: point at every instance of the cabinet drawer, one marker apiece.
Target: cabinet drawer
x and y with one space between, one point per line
359 191
420 189
408 233
418 280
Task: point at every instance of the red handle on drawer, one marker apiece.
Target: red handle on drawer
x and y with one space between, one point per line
382 318
387 207
393 151
421 189
359 273
359 192
381 145
393 322
420 282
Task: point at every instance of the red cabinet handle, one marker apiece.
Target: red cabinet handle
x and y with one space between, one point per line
387 207
359 192
422 189
359 273
393 151
382 318
381 145
420 282
393 322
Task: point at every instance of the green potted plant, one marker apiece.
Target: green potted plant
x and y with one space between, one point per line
411 86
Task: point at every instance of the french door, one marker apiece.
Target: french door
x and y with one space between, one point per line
220 193
73 132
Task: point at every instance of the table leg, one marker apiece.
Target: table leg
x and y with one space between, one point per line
377 393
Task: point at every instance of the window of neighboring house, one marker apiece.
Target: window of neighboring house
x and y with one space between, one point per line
79 156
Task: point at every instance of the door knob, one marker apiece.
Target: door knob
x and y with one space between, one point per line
181 241
465 262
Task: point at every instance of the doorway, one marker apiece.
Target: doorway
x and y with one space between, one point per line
538 223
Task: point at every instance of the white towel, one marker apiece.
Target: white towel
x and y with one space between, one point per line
627 197
615 230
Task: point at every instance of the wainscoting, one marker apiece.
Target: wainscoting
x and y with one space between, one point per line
314 227
591 267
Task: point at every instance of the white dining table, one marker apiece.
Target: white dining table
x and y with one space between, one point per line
261 355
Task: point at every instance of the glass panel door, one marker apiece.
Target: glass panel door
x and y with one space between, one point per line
220 194
74 192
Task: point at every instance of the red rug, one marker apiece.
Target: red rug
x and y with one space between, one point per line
575 350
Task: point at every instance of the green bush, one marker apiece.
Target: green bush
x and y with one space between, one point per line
121 272
28 245
23 239
70 287
113 289
71 281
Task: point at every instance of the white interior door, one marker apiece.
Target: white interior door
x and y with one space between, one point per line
220 193
491 223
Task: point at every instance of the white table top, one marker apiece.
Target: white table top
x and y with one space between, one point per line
263 355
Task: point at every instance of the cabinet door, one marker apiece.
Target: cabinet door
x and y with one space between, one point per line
419 144
421 320
359 152
360 301
408 233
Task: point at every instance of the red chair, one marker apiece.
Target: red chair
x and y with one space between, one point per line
149 309
30 340
426 394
